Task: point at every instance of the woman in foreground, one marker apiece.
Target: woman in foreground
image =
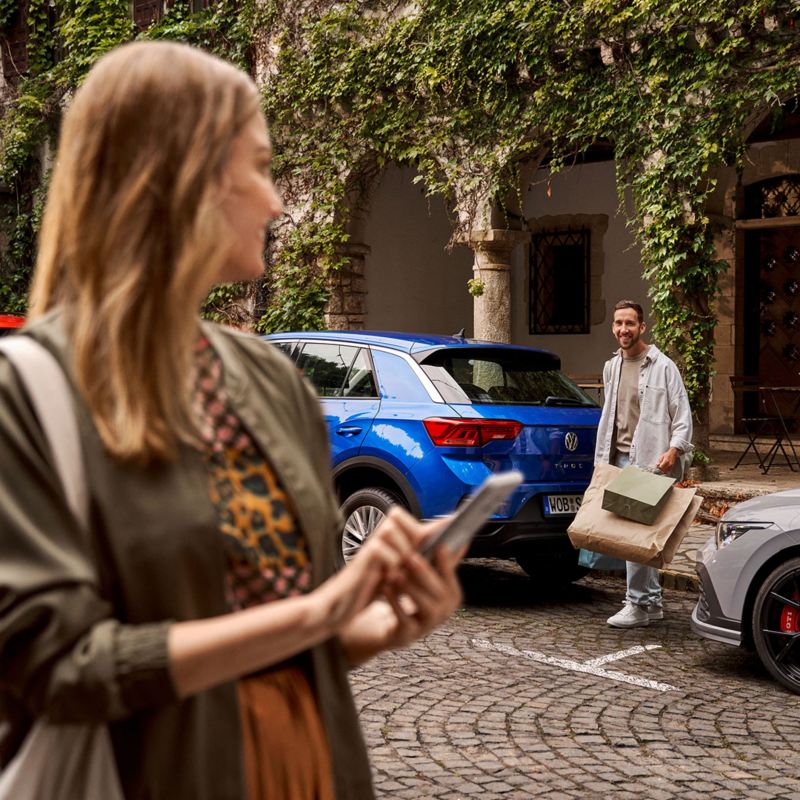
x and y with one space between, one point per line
216 641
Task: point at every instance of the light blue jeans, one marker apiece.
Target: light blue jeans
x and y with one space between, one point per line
643 585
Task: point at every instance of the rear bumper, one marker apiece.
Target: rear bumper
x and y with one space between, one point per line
501 539
529 529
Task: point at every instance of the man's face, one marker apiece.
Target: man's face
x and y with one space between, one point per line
627 329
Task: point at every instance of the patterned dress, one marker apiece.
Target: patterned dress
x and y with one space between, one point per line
286 751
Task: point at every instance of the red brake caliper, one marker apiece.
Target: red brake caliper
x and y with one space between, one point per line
789 618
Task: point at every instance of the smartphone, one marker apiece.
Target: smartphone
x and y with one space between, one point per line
468 518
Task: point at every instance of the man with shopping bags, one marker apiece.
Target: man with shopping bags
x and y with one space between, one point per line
646 421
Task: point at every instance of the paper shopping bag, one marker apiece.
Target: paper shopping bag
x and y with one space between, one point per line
595 528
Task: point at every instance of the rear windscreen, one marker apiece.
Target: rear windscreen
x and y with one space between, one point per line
502 378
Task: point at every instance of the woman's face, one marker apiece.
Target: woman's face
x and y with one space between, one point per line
250 201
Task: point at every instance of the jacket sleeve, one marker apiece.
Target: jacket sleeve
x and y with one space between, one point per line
601 452
606 375
680 412
62 655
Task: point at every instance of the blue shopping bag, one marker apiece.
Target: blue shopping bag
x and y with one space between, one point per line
592 560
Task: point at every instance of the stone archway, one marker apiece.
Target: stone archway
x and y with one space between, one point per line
400 273
402 269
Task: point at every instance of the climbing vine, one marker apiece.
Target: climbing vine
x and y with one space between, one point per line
63 43
60 51
465 91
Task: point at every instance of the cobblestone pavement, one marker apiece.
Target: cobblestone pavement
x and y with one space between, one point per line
501 703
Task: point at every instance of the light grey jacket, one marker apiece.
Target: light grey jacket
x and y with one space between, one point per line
665 418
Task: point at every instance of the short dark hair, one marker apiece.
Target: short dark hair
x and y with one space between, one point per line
630 304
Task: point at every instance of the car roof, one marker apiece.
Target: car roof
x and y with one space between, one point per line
406 342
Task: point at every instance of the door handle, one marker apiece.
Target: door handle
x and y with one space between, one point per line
348 430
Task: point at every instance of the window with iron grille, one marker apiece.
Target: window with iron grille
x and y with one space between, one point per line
774 197
560 282
147 12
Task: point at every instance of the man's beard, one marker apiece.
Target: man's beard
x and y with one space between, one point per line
634 339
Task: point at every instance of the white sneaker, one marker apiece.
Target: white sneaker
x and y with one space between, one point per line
631 616
655 612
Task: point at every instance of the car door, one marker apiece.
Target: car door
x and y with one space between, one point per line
344 378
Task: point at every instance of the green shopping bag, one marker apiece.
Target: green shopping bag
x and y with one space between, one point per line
637 494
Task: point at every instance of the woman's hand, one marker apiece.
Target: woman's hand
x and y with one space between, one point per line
380 564
206 652
428 596
421 597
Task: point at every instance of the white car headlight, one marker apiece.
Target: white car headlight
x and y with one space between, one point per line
728 532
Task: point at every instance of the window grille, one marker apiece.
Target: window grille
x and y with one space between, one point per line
560 282
776 197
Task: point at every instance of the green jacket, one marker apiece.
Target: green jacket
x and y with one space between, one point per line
72 650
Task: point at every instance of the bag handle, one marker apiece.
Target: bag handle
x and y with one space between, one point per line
50 394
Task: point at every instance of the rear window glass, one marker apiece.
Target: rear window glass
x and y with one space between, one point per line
360 381
502 378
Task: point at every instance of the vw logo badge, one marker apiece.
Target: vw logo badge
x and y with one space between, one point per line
571 441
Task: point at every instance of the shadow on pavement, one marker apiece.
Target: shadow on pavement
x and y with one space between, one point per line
734 662
496 583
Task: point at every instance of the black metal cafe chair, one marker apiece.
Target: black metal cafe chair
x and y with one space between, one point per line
759 421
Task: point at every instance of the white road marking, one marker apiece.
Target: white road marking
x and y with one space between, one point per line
589 667
631 651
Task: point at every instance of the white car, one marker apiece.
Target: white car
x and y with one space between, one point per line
750 583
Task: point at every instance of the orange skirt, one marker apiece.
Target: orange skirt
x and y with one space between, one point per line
286 755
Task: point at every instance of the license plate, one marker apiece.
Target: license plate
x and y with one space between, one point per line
561 504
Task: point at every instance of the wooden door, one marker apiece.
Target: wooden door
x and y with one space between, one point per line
772 303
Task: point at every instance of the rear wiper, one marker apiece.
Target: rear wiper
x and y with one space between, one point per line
553 400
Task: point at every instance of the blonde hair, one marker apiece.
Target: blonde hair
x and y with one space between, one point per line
133 233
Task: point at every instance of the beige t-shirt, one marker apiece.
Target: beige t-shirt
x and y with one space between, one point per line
627 416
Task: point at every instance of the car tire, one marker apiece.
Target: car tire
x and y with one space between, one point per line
547 570
776 624
363 511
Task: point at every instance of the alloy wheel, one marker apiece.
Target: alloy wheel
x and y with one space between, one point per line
776 628
357 527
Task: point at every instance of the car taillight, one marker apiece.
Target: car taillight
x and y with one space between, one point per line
460 432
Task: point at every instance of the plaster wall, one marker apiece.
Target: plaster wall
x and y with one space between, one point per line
413 283
584 191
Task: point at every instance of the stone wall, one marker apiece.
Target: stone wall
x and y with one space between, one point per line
346 307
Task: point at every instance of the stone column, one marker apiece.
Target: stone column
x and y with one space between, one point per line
347 304
492 309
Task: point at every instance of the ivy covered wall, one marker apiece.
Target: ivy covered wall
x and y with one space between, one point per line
464 90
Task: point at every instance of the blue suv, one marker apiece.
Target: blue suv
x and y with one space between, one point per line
421 420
